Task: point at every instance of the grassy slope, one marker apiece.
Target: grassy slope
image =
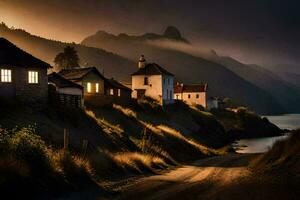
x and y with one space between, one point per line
284 155
246 124
141 138
123 141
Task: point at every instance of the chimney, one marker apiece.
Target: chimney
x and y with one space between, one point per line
142 62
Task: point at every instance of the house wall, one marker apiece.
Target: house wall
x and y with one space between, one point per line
193 100
71 91
23 91
124 94
93 79
103 100
154 89
168 89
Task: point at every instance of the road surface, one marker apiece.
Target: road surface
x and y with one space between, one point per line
215 178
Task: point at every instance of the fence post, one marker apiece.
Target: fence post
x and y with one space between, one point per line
66 140
85 144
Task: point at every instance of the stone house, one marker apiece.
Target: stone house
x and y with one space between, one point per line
65 92
192 94
22 76
153 81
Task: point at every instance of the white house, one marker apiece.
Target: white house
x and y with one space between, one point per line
192 94
153 81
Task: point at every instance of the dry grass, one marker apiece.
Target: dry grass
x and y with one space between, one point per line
283 154
105 125
126 111
139 161
177 134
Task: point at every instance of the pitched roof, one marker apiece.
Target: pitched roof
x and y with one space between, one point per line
182 88
115 84
79 73
61 82
11 55
152 69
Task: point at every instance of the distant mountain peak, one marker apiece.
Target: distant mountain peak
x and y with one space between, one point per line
174 33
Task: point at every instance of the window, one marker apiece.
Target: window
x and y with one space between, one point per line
6 75
171 94
189 96
97 87
146 81
111 91
33 77
177 96
119 92
197 96
168 81
89 87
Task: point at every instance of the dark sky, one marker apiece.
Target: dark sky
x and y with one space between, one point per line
257 31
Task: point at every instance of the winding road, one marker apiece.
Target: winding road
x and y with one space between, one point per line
215 178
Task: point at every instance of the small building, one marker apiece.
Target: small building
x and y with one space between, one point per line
90 78
65 92
195 94
98 90
22 76
153 81
116 89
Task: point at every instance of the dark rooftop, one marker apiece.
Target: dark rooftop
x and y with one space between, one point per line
79 73
152 69
181 88
12 55
61 82
115 84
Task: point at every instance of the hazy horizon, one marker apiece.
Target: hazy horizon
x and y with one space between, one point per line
262 32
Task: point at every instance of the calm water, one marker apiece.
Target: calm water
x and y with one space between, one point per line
258 145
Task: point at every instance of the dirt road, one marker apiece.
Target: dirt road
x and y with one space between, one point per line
216 178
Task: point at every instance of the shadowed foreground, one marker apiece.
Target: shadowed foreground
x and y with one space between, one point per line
222 177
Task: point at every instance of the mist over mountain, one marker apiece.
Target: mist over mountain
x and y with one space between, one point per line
251 85
190 64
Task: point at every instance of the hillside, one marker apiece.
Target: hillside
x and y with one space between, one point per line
188 68
123 141
281 89
112 64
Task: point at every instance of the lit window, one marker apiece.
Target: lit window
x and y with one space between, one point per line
189 96
146 81
33 77
197 96
119 92
97 87
6 75
111 91
89 87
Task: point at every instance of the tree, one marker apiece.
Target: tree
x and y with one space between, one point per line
68 59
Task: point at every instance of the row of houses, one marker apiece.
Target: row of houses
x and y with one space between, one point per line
26 79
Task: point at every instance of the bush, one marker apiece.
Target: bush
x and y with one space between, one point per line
28 146
29 167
